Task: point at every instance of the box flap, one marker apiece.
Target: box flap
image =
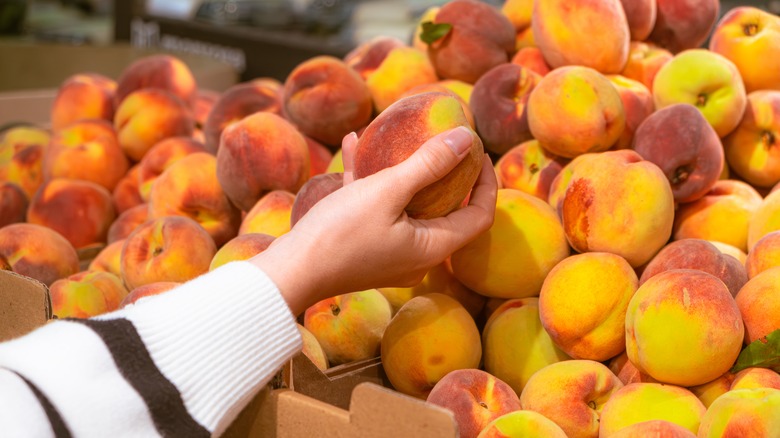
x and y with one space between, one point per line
25 304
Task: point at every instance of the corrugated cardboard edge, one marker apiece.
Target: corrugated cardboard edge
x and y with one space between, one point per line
25 304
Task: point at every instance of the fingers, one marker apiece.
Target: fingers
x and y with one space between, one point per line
348 146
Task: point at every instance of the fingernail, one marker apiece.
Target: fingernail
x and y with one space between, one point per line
459 139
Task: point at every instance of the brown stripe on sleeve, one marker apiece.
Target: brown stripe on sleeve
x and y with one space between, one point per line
55 419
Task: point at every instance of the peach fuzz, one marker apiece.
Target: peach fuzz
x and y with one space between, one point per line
583 302
171 248
584 101
640 402
765 219
13 204
109 259
765 254
326 99
618 187
475 398
753 149
239 101
261 153
241 247
683 327
515 344
626 371
526 232
755 377
148 116
722 214
637 104
83 96
759 304
681 25
480 38
528 167
710 391
743 413
532 59
189 187
644 61
312 349
87 150
750 38
148 290
126 194
164 72
522 423
499 102
86 294
37 252
316 188
654 428
270 215
81 211
22 150
701 255
571 393
416 346
390 68
595 34
398 132
161 156
349 327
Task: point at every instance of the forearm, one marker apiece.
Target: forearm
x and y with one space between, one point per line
184 362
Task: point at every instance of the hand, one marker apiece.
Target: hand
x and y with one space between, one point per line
359 237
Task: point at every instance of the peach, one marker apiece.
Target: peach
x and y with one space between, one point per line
745 35
583 302
161 156
753 148
336 164
189 187
526 232
316 188
637 104
618 187
241 247
644 61
81 211
641 17
765 219
147 290
584 101
126 194
755 377
442 87
640 402
744 413
403 127
595 35
13 204
261 153
159 71
515 344
83 96
21 157
655 428
326 99
571 393
87 150
170 248
710 391
239 101
201 108
312 349
86 294
522 423
473 38
148 116
702 327
349 327
765 254
126 222
427 16
532 59
109 259
626 371
390 68
519 13
319 157
270 215
701 255
759 304
529 168
475 398
462 89
722 214
686 24
731 250
706 80
37 252
416 347
499 103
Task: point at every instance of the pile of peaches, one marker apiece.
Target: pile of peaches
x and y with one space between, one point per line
635 253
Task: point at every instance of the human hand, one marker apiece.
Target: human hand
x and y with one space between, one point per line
359 237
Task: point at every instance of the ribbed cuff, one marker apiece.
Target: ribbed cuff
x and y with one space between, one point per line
218 338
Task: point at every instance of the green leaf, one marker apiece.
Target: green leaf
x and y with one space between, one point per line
762 353
432 32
